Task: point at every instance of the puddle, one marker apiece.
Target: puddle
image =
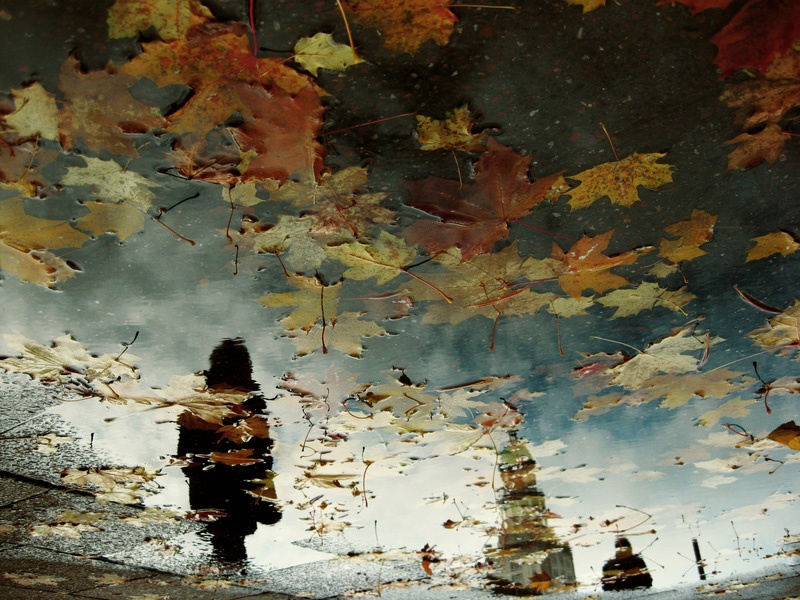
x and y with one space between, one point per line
525 420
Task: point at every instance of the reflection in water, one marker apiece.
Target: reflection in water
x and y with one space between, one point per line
626 570
237 480
529 558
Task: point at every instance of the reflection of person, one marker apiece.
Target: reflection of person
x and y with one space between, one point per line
626 570
243 492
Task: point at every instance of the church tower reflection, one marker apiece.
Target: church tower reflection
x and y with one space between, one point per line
529 559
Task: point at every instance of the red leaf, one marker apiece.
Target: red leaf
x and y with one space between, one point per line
760 32
698 5
475 216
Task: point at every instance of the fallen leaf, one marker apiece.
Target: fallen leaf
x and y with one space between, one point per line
584 265
35 114
645 297
787 434
321 52
31 580
343 333
111 183
730 409
451 133
756 35
67 530
692 234
405 24
384 258
619 180
48 444
172 20
313 301
779 242
755 148
475 216
100 111
233 458
782 331
290 237
588 5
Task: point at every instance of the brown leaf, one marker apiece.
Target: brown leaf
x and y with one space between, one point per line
787 434
753 149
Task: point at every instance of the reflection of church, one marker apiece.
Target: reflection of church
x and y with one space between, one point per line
528 559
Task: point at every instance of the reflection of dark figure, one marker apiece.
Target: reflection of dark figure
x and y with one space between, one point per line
243 492
626 570
529 558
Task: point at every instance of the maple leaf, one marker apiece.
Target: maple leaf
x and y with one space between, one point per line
452 133
632 301
669 355
778 242
698 5
677 389
321 52
100 110
692 234
110 182
215 60
31 580
757 34
406 24
67 530
475 216
618 180
313 301
280 133
35 114
384 259
782 332
233 458
755 148
585 266
588 5
342 332
487 285
290 235
787 434
172 20
24 240
731 408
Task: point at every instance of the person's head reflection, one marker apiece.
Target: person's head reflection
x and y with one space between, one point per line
229 450
626 571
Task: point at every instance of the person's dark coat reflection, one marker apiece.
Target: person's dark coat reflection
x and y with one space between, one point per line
243 492
626 571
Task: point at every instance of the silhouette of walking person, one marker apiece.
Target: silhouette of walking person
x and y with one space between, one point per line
626 571
241 490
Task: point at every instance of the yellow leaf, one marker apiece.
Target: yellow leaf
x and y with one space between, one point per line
122 220
782 331
36 112
619 179
787 434
588 5
384 258
172 19
779 242
342 333
322 52
452 133
632 301
732 408
313 302
692 233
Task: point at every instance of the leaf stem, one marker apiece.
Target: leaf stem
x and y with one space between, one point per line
349 33
429 284
610 143
408 114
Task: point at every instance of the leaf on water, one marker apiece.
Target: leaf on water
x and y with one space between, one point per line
100 111
121 485
787 434
312 301
677 389
584 266
234 458
452 133
384 258
755 148
243 430
619 180
669 355
698 5
475 216
111 183
321 51
405 24
172 20
735 408
152 515
35 114
291 238
691 234
62 361
778 242
782 331
645 297
588 6
343 333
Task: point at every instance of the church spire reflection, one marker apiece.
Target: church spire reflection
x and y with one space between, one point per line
529 559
